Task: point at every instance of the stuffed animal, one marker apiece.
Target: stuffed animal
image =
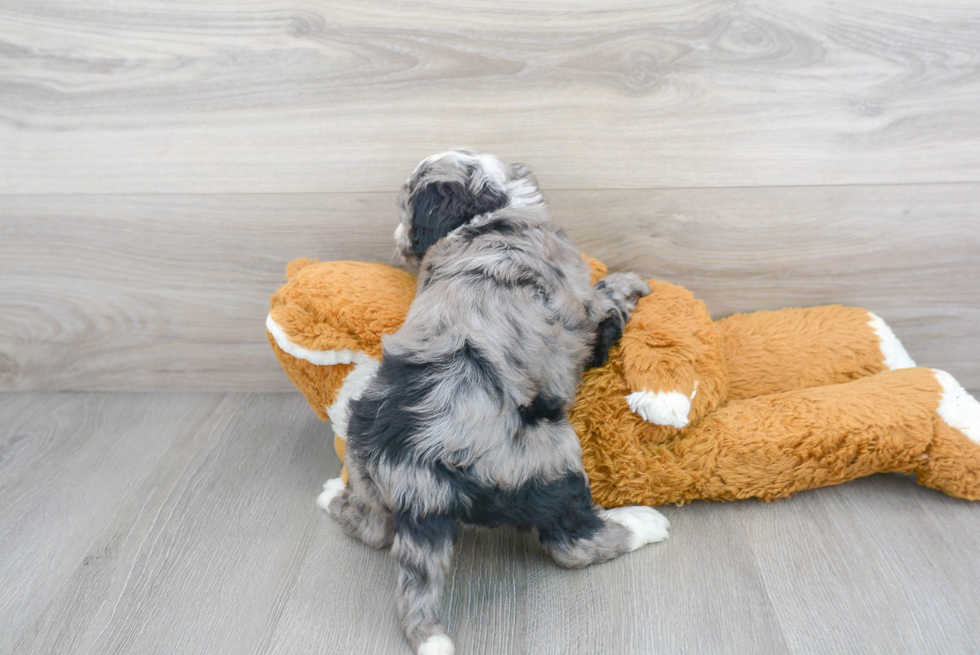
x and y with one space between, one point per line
754 405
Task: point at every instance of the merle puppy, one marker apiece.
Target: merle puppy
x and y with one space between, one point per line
466 417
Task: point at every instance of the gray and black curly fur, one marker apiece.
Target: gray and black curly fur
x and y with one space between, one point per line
466 419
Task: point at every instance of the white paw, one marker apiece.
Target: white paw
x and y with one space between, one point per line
331 489
892 349
958 408
646 525
662 408
437 645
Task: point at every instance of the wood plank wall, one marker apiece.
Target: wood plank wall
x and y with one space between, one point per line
160 162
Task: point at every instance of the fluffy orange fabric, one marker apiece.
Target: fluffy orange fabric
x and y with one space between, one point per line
778 401
798 348
336 306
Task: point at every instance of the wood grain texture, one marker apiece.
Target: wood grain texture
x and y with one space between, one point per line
161 292
874 566
310 96
186 523
910 254
170 292
192 558
68 464
649 601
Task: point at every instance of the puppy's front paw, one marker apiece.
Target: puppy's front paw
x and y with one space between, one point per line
625 288
331 489
646 525
437 645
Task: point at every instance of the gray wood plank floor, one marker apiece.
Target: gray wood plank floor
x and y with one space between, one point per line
185 523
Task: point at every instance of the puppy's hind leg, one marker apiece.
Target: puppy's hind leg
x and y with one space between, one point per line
583 534
423 548
358 509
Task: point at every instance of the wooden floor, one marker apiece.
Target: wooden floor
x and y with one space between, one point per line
185 523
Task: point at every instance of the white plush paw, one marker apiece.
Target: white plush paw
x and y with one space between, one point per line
662 408
646 525
957 407
331 489
437 645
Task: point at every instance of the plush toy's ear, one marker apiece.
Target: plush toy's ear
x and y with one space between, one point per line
440 207
294 267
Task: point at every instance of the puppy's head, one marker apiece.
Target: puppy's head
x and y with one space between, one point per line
449 189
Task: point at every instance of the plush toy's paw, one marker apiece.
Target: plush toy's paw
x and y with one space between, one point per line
646 525
662 408
437 645
331 489
957 407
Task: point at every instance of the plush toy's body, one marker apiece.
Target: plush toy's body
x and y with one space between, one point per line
755 405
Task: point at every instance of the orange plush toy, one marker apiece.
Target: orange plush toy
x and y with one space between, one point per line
755 405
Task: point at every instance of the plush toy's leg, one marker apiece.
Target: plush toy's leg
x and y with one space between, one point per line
776 445
893 422
952 461
770 352
578 534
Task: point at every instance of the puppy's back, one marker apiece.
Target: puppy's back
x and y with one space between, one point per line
479 376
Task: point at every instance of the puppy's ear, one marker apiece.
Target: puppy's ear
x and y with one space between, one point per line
441 207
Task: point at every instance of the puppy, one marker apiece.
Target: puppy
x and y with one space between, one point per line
466 418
